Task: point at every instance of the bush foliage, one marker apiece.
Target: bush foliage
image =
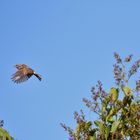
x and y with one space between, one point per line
4 135
118 110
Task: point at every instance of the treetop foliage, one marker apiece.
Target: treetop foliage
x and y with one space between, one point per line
4 135
118 110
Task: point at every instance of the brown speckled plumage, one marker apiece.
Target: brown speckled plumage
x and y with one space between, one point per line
23 73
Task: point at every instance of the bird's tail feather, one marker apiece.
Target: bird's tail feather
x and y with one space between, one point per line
38 76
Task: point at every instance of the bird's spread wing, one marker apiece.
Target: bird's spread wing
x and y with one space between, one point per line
20 76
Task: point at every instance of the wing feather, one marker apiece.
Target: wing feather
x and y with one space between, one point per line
20 76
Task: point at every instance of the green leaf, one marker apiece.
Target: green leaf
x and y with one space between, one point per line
77 132
111 113
5 135
104 106
115 126
127 90
114 92
88 125
97 123
107 130
92 138
111 119
101 126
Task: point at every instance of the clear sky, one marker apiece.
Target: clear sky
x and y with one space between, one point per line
71 44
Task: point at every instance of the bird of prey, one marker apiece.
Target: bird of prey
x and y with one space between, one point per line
23 73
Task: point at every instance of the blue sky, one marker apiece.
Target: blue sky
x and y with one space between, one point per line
71 44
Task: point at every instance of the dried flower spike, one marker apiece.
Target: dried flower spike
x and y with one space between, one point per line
128 58
117 57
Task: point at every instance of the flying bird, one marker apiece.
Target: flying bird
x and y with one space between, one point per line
23 73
